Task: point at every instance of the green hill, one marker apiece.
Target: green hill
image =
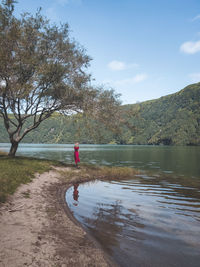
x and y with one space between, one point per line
170 120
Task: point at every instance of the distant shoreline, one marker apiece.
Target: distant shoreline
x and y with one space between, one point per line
72 144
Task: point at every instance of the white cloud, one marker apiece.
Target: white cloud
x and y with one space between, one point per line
127 82
116 65
130 81
190 47
196 18
195 77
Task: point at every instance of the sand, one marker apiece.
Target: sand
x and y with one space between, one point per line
37 229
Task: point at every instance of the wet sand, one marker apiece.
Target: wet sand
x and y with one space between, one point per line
37 228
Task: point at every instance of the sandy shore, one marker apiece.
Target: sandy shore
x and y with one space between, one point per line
36 228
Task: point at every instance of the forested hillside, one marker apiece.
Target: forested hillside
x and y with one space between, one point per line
170 120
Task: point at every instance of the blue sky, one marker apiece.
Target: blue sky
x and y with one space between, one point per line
144 49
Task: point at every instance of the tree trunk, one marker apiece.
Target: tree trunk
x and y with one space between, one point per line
13 148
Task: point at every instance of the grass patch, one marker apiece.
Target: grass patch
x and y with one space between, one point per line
19 170
92 172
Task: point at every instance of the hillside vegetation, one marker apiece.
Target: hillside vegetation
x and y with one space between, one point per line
170 120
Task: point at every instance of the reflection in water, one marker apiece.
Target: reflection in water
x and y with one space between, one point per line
75 194
108 223
105 220
149 220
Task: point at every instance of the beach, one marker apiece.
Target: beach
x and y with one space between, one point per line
37 228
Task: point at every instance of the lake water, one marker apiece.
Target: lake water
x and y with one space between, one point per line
145 221
152 219
183 160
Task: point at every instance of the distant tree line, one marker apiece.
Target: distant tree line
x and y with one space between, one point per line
170 120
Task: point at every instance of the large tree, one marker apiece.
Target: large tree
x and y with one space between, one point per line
43 70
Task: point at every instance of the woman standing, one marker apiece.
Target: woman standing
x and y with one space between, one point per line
76 154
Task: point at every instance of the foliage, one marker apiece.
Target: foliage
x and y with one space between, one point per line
42 71
169 120
173 119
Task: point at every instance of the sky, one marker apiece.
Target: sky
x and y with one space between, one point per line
143 49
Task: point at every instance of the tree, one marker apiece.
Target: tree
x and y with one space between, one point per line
43 71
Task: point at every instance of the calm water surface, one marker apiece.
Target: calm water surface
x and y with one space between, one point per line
152 219
145 221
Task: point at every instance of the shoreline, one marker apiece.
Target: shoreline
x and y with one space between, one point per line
61 198
37 227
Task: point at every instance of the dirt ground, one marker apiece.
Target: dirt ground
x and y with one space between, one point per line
37 229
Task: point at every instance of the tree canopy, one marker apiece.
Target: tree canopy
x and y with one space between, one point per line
43 70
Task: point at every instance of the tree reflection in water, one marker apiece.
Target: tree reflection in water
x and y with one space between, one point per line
108 223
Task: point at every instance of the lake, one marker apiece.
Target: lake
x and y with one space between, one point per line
183 160
152 219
